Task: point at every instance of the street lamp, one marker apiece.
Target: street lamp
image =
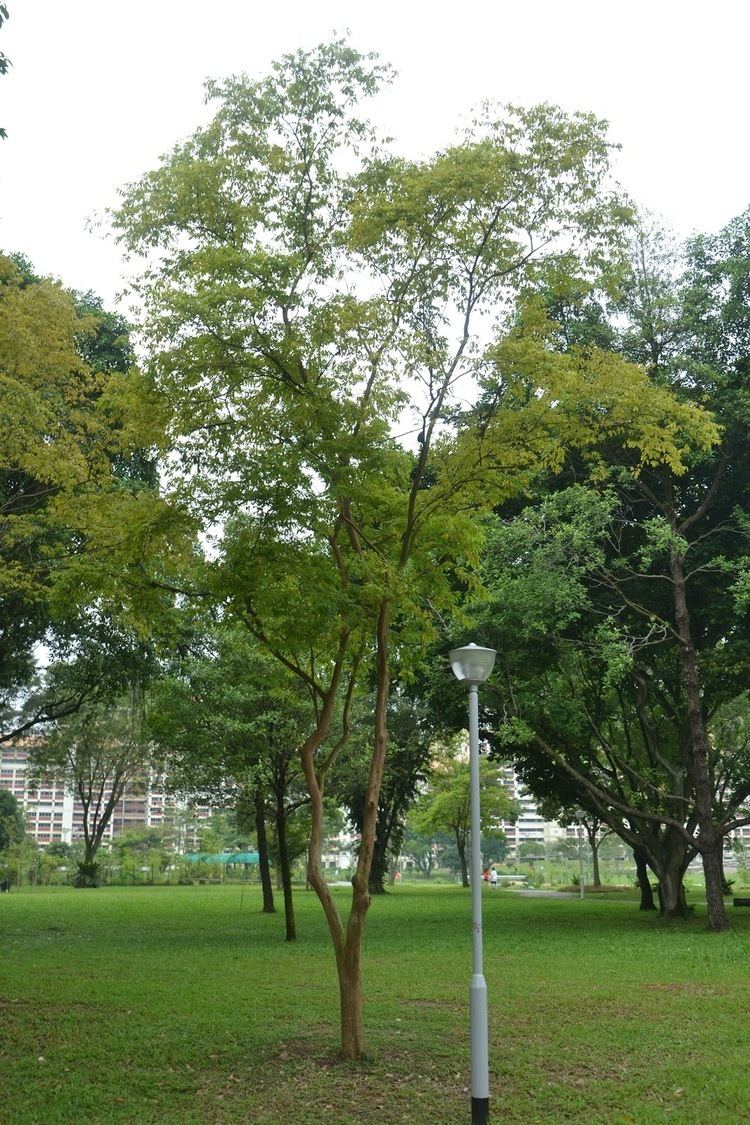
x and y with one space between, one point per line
473 665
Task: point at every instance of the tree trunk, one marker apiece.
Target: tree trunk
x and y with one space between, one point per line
350 975
347 954
263 864
713 872
284 871
644 881
379 869
595 862
461 848
352 1001
672 900
673 861
709 839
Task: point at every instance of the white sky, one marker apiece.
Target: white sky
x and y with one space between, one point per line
100 88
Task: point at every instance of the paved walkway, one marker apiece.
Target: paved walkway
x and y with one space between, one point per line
547 894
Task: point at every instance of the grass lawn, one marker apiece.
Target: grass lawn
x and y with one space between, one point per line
184 1005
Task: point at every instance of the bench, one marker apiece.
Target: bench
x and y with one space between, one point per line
741 901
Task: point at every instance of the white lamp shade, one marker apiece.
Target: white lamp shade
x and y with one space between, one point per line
472 663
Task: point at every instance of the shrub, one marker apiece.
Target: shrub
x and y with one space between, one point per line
87 875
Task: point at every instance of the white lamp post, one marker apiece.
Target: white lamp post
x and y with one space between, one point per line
473 665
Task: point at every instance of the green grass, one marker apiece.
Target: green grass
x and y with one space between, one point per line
184 1005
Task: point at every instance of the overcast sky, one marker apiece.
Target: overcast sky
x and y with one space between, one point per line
100 88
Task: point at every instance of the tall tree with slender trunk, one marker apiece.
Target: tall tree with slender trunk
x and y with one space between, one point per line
316 309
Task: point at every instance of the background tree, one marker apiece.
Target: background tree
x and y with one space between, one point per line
660 598
406 769
495 845
12 825
579 732
80 515
447 805
99 752
230 723
567 813
423 849
142 847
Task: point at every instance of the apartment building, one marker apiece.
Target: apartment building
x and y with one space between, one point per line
55 815
531 827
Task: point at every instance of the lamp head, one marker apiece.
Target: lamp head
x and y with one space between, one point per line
472 663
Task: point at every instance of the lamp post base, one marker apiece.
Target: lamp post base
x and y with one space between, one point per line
480 1111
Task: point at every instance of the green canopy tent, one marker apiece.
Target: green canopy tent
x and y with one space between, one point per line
224 858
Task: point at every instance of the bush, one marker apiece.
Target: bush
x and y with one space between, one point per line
87 875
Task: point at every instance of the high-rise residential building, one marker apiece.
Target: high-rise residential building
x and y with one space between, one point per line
55 815
531 827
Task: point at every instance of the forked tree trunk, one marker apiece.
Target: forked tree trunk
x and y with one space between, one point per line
673 859
709 839
349 950
595 842
263 863
346 940
672 900
350 968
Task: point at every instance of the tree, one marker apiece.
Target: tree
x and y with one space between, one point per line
597 831
309 295
694 537
81 523
494 846
252 813
141 847
99 752
407 767
447 805
12 826
663 599
230 722
576 723
596 828
423 849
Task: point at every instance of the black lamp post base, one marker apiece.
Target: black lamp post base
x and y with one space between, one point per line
480 1111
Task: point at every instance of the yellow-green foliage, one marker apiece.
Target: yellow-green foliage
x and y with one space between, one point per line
583 399
69 525
300 315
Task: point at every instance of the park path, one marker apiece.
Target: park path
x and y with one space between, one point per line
546 894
